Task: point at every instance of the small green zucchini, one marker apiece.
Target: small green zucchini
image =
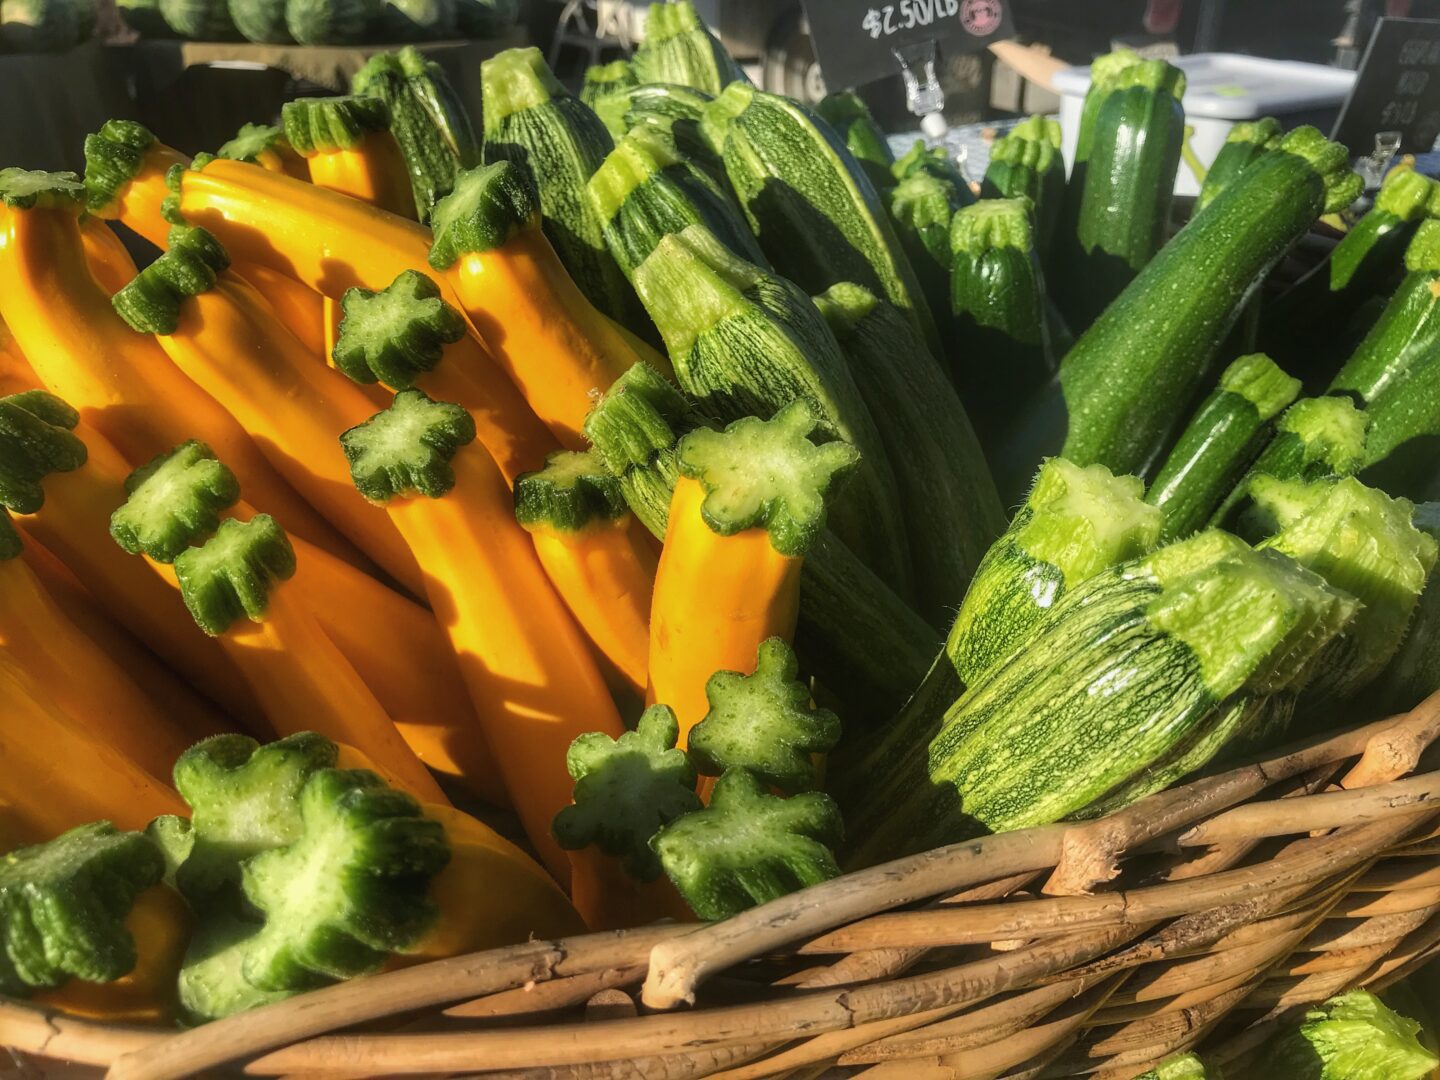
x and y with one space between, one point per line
679 48
850 117
1027 161
1244 145
952 512
921 208
817 216
1224 436
604 79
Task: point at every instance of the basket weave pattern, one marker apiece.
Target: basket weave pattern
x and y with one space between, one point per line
1204 912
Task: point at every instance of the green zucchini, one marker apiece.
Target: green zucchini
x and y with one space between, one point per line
1365 543
817 216
1118 673
1027 161
622 109
532 120
253 140
746 343
646 189
1244 144
679 48
1299 327
1221 440
1129 185
998 307
427 119
855 634
1402 447
602 79
933 161
847 113
1408 328
921 208
1315 439
952 512
1413 673
1123 390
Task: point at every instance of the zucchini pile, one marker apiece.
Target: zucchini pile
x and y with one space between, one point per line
669 465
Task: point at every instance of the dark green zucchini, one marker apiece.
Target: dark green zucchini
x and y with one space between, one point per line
427 119
998 312
859 638
921 207
746 343
1124 389
1413 673
1117 674
532 120
604 79
646 189
1027 161
1217 446
817 216
1244 145
848 115
1402 448
679 48
621 110
1129 185
933 161
952 513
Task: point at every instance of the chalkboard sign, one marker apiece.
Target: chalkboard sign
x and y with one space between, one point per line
854 39
1397 89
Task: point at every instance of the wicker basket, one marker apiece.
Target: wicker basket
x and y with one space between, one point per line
1205 912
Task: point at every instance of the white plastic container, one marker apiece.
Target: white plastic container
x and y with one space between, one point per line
1221 89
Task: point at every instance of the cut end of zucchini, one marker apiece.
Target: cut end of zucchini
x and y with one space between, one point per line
1105 69
407 449
253 140
602 80
1408 195
667 20
689 283
767 474
990 224
1154 75
397 334
935 162
1260 381
488 204
639 155
329 125
1262 132
1084 518
1331 162
113 157
1331 432
764 723
1423 254
639 416
679 48
571 493
173 502
1033 143
1253 620
35 440
150 303
843 107
715 121
923 202
231 574
28 189
513 81
626 789
845 306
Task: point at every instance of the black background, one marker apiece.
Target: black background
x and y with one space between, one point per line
1380 102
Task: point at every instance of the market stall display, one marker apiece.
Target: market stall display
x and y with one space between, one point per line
608 459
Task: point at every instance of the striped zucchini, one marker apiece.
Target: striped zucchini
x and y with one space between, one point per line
1408 329
1244 145
1123 389
921 208
952 513
1299 327
604 79
1121 671
998 305
814 211
1129 184
621 110
646 189
860 639
1363 542
847 113
1027 161
1221 440
1402 447
1315 439
747 343
1413 673
679 48
427 119
532 120
1075 523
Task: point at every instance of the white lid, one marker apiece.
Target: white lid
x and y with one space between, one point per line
1229 86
